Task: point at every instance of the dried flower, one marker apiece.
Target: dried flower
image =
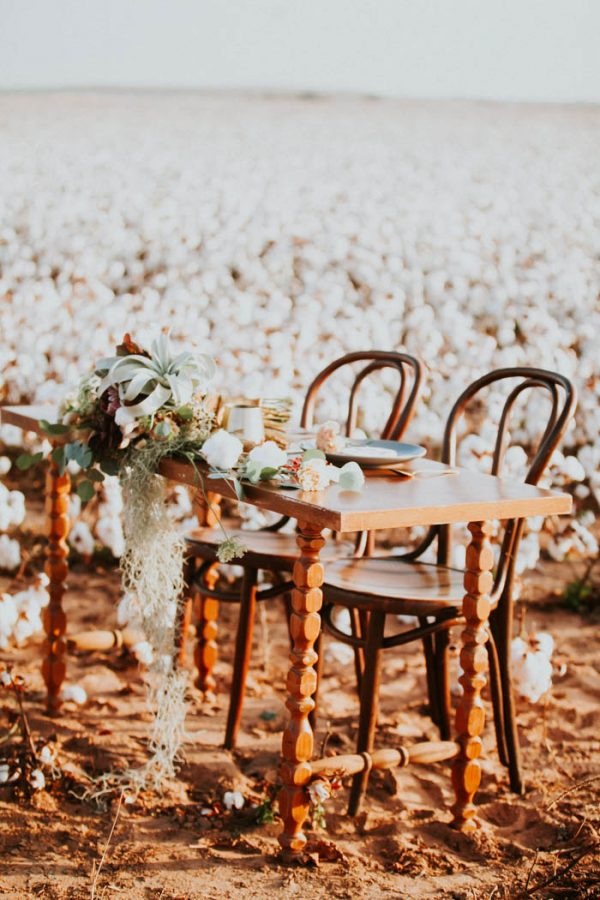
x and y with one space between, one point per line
319 791
231 548
329 438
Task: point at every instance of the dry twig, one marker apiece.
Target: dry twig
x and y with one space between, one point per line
558 875
570 790
97 871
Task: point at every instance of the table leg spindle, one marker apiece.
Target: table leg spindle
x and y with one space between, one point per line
207 649
470 715
305 627
58 489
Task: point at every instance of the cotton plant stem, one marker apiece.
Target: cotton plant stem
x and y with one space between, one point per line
25 723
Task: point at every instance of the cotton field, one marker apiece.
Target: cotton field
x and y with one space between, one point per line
277 234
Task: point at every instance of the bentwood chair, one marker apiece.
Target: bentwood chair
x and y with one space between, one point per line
433 592
270 550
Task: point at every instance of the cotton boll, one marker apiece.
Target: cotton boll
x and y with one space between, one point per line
10 553
128 611
531 665
73 693
8 619
37 780
16 505
341 619
5 465
143 653
545 643
337 653
82 539
24 629
110 532
233 800
74 506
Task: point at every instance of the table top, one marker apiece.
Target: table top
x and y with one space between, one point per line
386 501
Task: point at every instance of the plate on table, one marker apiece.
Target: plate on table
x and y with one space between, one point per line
375 454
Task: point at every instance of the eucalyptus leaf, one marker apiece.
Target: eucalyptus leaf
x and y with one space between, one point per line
109 466
58 457
95 475
85 490
53 428
26 460
86 457
252 471
268 472
79 453
313 454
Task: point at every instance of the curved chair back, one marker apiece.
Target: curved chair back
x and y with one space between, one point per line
563 400
410 371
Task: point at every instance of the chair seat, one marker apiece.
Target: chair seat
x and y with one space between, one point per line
414 589
265 549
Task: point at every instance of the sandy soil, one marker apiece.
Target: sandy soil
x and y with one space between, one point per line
164 847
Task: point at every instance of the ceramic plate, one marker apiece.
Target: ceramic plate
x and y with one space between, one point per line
372 454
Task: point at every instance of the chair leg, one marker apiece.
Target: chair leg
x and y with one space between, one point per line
312 716
497 698
503 628
442 680
358 624
430 668
206 651
369 704
241 662
185 611
287 605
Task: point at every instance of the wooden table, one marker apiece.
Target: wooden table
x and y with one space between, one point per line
385 502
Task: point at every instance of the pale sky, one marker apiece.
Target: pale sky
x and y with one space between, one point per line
543 50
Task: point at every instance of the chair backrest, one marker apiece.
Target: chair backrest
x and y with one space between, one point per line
402 406
563 399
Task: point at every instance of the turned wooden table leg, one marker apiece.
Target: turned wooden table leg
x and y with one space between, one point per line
55 622
206 652
470 715
307 598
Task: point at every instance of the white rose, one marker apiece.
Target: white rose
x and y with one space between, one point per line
268 455
316 474
222 450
